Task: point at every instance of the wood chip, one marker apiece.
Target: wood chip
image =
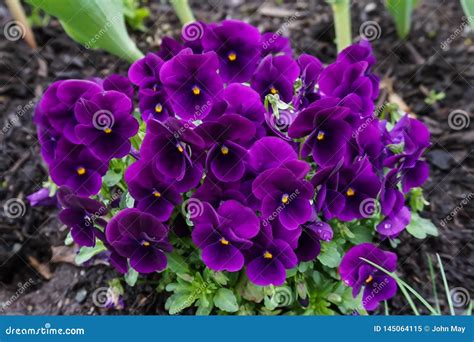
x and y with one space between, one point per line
42 269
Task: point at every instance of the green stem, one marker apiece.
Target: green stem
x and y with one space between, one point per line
183 11
446 287
18 13
433 283
342 22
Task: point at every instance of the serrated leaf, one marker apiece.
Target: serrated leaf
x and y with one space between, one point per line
420 227
225 300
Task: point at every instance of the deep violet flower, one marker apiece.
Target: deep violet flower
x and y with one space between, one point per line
42 198
238 47
192 82
154 103
106 124
76 167
357 273
311 68
169 48
275 43
276 75
270 152
268 259
244 101
222 235
58 103
145 72
345 192
119 83
141 238
328 128
223 139
81 214
171 147
309 242
152 194
284 197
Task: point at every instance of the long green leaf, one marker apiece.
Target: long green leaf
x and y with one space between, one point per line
468 7
94 23
401 11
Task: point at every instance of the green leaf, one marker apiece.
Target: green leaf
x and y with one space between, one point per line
176 263
330 255
225 300
468 7
420 227
179 301
94 23
250 291
131 277
86 253
112 178
401 10
362 233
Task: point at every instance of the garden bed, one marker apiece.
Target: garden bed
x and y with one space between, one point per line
32 253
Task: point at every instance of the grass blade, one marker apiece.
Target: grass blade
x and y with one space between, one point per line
446 287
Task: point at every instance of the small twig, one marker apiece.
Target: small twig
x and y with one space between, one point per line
18 14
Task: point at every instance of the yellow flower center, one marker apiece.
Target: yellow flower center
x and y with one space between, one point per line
267 255
285 198
107 130
273 90
224 241
145 244
320 136
224 150
369 279
232 56
180 148
350 192
80 171
156 193
158 108
196 90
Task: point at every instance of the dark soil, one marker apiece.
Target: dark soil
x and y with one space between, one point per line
29 256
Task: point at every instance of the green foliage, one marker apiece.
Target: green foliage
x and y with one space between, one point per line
468 7
94 23
86 253
135 15
434 97
401 10
420 227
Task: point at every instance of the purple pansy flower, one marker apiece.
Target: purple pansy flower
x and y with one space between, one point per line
357 273
276 75
274 43
141 238
154 103
268 259
328 128
119 83
223 138
309 242
222 235
311 68
237 45
106 124
152 194
81 214
347 193
76 167
284 197
43 198
270 152
192 82
58 103
171 147
169 48
145 72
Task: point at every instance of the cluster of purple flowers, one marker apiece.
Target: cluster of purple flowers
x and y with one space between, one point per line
266 190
